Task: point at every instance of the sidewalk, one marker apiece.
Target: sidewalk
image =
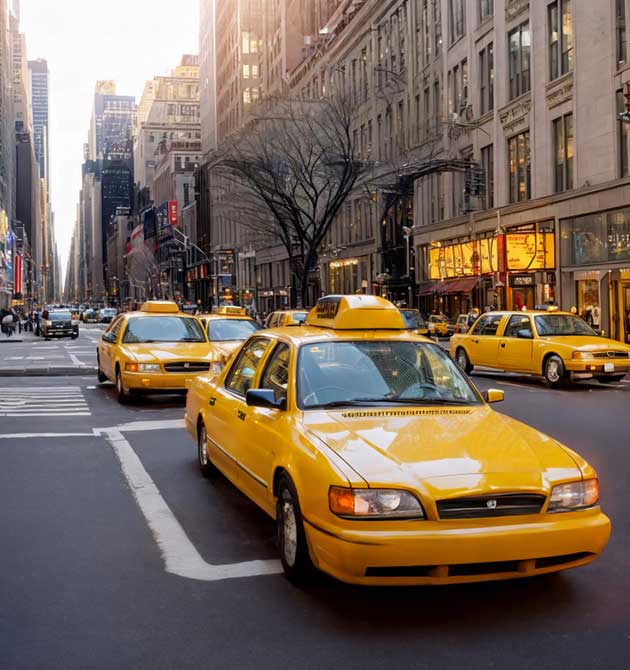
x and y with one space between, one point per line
19 337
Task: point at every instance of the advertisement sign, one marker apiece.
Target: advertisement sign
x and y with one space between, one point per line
172 212
530 251
164 228
463 259
17 276
148 222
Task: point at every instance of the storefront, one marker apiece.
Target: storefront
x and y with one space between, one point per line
595 255
350 275
509 269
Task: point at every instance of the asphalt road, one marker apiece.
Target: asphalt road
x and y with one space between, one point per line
83 583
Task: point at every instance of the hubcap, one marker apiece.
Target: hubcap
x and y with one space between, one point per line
553 371
461 359
203 454
289 532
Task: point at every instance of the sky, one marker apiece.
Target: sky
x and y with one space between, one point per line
129 41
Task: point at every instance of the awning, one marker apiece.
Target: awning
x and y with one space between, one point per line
452 286
427 288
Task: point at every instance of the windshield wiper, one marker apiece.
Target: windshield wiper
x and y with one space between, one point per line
363 402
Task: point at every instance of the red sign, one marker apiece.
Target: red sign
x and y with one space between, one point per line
172 212
17 274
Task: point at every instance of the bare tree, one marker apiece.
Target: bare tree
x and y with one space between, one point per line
295 163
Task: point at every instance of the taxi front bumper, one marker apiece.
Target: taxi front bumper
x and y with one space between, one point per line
457 552
597 367
158 381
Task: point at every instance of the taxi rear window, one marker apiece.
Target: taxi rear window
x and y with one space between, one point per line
230 330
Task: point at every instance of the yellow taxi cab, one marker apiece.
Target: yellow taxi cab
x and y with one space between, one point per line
557 345
414 321
438 325
380 461
157 349
288 317
226 329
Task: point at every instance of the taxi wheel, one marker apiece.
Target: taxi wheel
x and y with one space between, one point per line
554 371
123 396
205 466
463 361
102 378
294 555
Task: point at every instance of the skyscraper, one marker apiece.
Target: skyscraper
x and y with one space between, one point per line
39 98
113 119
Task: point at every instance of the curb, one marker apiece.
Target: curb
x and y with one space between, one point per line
57 371
10 340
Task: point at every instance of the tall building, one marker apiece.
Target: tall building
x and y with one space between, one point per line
39 101
113 119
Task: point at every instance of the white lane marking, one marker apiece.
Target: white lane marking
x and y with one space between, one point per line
42 401
138 426
30 436
48 414
75 360
179 553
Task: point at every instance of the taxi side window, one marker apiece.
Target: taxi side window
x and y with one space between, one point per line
516 323
244 370
276 375
487 325
114 329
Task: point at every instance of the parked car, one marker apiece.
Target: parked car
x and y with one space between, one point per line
414 321
107 314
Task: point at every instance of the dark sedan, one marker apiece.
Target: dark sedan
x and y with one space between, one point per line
60 324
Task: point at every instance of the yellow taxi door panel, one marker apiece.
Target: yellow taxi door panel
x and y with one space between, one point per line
484 343
517 344
107 350
266 428
229 412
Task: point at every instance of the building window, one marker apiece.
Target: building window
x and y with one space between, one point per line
563 153
520 167
487 163
186 195
437 28
456 19
623 133
426 39
620 30
426 113
436 105
486 68
486 9
519 60
560 38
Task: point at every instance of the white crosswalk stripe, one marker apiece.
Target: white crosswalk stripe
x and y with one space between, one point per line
43 401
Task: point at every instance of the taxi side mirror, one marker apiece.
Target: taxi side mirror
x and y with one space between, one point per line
264 398
493 395
108 337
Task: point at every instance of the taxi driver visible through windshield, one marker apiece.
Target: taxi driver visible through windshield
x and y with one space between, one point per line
163 329
230 330
334 374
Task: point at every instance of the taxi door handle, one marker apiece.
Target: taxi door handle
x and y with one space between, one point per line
241 415
503 345
476 341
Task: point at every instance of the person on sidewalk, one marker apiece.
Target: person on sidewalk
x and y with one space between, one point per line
7 324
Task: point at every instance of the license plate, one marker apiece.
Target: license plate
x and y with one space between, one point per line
609 367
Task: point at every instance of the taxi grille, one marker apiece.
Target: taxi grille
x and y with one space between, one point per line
187 366
611 354
503 504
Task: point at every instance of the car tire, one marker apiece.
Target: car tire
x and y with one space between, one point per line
74 337
612 379
554 372
206 467
294 556
123 396
102 377
463 361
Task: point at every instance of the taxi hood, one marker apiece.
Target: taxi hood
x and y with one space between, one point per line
442 448
587 342
167 352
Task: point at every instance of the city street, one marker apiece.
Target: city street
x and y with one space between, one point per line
122 556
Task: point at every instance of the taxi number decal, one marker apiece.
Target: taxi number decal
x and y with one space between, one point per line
327 308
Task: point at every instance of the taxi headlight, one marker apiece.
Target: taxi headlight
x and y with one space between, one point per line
48 323
576 495
131 367
149 367
582 355
374 503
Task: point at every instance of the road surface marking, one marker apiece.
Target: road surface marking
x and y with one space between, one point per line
178 552
47 401
75 360
30 436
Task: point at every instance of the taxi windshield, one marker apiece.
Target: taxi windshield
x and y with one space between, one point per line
562 324
412 318
163 329
229 330
337 374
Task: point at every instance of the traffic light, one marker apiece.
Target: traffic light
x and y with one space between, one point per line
626 95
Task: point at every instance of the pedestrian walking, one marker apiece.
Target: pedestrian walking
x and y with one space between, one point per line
7 324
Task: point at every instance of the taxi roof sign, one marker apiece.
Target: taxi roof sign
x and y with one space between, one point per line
355 312
160 307
230 309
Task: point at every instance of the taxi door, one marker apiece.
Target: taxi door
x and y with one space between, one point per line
516 346
483 341
266 428
107 349
229 411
